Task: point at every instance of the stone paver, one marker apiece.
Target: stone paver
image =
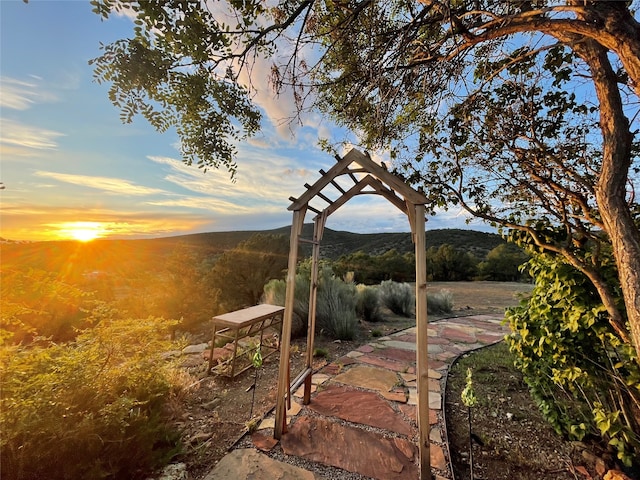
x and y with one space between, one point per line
365 349
385 363
396 354
355 450
371 378
247 463
376 386
400 345
357 406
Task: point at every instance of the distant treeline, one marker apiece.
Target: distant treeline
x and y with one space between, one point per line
444 263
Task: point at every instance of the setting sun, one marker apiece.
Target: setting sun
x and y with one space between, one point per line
82 231
84 235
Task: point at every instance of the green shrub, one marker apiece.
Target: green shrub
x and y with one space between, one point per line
320 352
397 297
584 378
368 303
376 333
275 294
336 307
37 303
93 408
371 270
441 302
239 275
503 264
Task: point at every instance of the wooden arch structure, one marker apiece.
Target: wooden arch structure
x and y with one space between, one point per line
368 178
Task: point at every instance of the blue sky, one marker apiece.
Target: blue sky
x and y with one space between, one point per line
68 163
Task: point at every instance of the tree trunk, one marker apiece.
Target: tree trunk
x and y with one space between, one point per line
612 182
623 35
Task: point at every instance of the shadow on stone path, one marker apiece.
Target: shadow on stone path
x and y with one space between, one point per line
362 415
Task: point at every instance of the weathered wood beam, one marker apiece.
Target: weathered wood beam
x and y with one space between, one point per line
386 177
307 240
334 183
348 195
422 339
315 210
285 339
318 228
411 213
322 182
321 195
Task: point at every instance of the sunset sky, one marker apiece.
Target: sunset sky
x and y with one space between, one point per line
68 164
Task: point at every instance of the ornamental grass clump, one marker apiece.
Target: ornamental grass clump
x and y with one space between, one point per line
275 294
368 303
397 297
336 307
440 302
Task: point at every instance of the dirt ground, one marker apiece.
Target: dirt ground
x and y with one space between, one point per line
215 412
509 436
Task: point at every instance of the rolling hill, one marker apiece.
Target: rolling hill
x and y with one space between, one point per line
337 243
127 256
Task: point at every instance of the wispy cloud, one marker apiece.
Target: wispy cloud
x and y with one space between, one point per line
19 139
204 203
106 184
263 180
22 94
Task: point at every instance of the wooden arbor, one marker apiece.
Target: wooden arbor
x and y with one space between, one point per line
371 179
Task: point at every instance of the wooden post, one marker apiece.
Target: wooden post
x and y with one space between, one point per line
422 338
318 228
285 340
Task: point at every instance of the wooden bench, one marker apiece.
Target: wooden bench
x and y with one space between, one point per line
241 324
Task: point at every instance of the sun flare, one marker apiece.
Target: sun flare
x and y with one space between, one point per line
84 235
82 231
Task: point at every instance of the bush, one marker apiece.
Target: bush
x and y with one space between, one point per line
275 294
37 303
397 297
336 307
503 264
93 408
239 275
368 303
374 269
585 380
449 264
441 302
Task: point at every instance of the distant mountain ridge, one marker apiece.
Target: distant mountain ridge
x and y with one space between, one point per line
336 243
131 256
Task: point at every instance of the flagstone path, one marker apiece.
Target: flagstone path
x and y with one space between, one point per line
362 415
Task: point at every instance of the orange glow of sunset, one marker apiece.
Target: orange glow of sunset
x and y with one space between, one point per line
82 231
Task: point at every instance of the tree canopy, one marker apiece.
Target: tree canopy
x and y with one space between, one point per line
523 112
238 277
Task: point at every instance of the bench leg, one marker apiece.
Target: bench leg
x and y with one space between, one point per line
213 346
